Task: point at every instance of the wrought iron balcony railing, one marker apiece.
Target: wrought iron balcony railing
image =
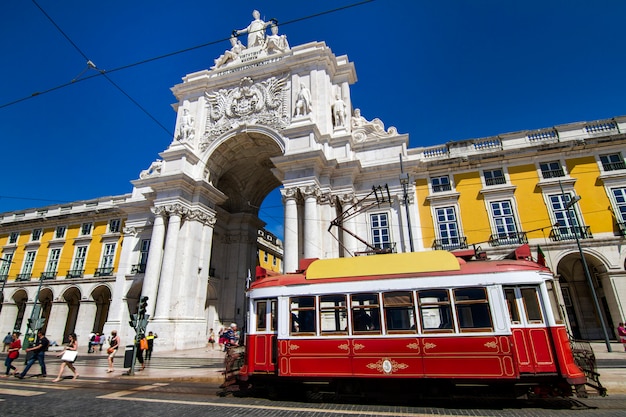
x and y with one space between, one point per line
514 238
451 243
138 269
495 181
570 233
553 173
104 272
613 166
75 273
24 277
48 275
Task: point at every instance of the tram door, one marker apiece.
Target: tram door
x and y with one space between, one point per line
531 335
265 347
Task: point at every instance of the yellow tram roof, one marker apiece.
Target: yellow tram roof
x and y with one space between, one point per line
387 264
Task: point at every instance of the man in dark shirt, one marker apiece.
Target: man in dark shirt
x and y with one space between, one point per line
39 350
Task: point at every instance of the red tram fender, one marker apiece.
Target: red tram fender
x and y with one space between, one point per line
415 316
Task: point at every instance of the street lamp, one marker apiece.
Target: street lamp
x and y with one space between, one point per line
568 206
404 180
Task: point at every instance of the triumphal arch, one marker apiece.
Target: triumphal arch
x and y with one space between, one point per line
265 115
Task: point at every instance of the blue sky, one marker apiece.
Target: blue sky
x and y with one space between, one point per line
439 70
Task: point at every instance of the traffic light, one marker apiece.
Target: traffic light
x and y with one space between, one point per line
143 305
133 321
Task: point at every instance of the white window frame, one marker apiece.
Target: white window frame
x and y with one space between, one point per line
440 187
492 179
108 255
59 232
35 236
374 230
52 265
114 225
86 228
144 251
80 257
29 262
13 238
445 210
5 264
552 169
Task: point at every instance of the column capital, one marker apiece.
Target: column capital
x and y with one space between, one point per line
202 216
289 193
311 191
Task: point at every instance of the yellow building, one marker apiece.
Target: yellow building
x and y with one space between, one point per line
552 188
270 251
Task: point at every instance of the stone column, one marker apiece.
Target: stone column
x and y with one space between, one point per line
291 229
85 322
311 225
166 282
155 254
349 242
8 315
57 321
200 294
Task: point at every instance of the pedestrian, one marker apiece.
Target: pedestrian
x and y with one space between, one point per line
222 338
72 346
212 338
102 340
232 337
39 354
13 353
150 338
114 344
621 331
7 341
142 346
92 339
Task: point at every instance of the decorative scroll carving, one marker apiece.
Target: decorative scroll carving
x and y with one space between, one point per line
249 103
202 217
289 193
153 171
387 366
362 130
311 191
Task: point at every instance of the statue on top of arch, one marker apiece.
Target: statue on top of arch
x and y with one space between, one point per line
259 43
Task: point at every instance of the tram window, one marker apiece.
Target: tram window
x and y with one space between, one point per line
436 312
273 315
302 315
472 309
365 313
554 303
509 294
399 312
261 315
333 314
531 305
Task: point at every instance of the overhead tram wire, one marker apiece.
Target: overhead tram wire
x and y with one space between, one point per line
159 57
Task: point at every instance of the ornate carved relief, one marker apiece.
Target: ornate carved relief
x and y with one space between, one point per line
363 130
153 171
202 217
249 103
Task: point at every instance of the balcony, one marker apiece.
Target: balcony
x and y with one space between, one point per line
138 269
570 233
613 166
48 275
495 181
104 272
552 173
75 273
441 188
514 238
451 243
24 277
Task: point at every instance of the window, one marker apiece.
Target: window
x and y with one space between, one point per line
85 229
554 302
566 219
53 260
365 313
494 177
532 306
504 221
440 184
79 259
36 235
380 230
143 251
551 170
13 237
29 261
59 232
399 312
447 229
265 257
261 315
302 315
274 260
333 314
436 311
5 265
509 295
472 309
619 194
612 162
108 256
114 226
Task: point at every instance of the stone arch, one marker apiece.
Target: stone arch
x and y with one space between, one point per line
45 299
578 296
101 295
71 296
239 164
20 298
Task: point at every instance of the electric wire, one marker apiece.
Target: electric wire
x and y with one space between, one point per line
163 56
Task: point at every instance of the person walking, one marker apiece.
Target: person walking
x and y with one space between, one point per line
71 346
13 353
7 341
102 340
150 338
114 344
212 339
39 354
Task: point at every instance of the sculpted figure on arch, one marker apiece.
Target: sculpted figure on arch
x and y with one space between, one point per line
232 54
303 101
276 42
255 30
339 111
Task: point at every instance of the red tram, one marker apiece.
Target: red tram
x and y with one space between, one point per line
429 324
